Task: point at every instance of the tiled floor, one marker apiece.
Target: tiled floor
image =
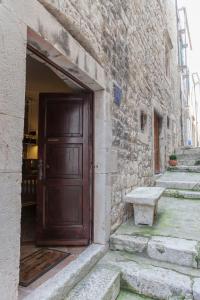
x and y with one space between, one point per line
30 248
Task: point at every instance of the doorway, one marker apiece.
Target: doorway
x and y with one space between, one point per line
157 128
57 160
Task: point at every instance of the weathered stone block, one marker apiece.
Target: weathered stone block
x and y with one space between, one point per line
128 243
100 284
174 250
196 289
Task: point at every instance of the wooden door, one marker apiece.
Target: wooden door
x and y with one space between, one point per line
64 185
156 143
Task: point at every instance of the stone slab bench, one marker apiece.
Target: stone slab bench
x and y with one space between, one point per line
145 202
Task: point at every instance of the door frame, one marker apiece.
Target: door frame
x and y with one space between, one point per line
102 133
42 58
157 110
94 78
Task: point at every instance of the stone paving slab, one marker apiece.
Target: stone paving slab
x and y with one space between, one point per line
176 218
100 284
121 256
149 280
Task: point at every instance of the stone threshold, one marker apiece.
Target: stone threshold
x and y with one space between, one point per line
58 286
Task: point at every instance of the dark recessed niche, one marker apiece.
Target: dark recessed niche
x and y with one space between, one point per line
143 121
168 122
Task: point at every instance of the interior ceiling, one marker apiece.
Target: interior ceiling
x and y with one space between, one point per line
44 78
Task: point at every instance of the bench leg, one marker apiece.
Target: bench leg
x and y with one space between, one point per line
156 210
144 215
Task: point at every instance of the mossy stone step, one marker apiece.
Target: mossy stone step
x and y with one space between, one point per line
182 194
126 295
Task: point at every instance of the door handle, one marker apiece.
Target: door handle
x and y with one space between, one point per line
40 165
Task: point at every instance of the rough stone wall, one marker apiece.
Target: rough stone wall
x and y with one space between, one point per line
128 38
20 20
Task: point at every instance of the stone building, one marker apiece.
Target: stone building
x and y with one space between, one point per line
195 107
185 49
189 82
92 88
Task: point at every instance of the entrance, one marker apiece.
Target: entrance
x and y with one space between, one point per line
157 126
63 203
57 160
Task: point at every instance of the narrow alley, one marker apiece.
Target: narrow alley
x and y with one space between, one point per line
99 150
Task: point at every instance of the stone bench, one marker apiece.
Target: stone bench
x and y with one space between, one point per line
145 201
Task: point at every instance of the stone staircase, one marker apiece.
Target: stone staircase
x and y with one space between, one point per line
188 159
158 262
163 262
101 283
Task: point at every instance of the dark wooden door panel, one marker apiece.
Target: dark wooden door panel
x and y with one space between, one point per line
67 121
60 211
64 161
64 188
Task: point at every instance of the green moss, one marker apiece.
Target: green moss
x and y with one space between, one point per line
174 194
126 295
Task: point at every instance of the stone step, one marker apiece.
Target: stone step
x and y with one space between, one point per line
172 250
188 162
182 185
188 151
179 180
58 286
184 194
140 276
189 156
99 284
182 168
126 295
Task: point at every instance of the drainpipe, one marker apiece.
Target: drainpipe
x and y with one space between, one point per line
196 82
180 91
